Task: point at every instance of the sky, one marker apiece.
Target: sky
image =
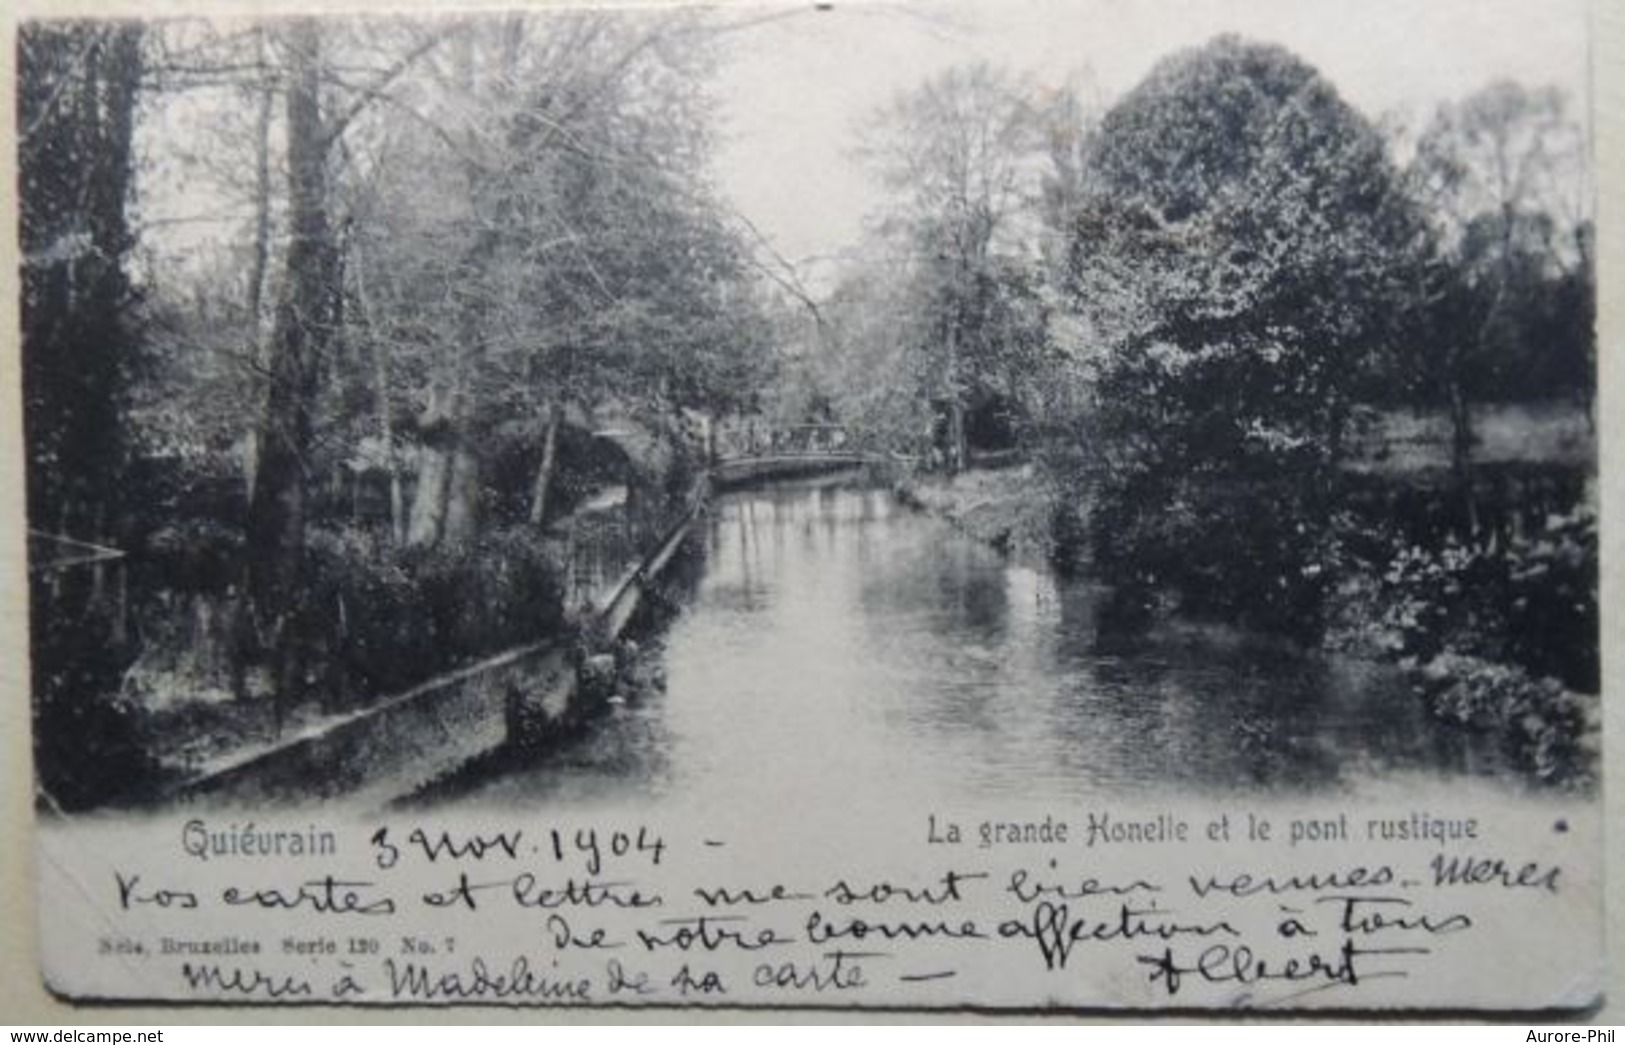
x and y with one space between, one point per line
797 83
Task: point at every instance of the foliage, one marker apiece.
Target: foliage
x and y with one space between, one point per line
1502 171
394 617
432 245
89 748
958 156
1552 581
77 88
588 259
873 325
1502 641
1524 333
1219 552
1541 724
1010 510
1242 249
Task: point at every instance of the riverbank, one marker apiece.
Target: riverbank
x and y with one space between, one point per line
1009 509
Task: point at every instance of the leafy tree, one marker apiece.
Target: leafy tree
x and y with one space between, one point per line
585 266
1245 253
76 103
304 321
875 316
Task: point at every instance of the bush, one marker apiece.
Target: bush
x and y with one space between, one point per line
1247 552
1453 597
1497 639
1552 621
1532 603
1540 723
88 745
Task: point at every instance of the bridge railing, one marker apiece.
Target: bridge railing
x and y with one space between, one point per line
796 440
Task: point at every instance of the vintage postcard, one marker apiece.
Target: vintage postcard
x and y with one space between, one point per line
1041 505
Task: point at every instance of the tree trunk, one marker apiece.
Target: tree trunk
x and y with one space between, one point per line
429 500
444 507
1461 455
544 474
262 207
300 335
77 92
956 437
461 520
261 257
386 424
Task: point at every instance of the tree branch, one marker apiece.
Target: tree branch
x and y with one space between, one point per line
375 91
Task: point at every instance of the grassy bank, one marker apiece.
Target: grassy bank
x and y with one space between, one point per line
1009 509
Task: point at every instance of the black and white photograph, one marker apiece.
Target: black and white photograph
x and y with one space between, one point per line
1148 447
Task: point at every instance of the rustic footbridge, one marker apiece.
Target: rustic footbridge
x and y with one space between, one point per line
750 455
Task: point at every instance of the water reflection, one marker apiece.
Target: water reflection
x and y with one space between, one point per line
835 643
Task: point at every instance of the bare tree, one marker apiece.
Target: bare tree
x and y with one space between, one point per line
1503 171
958 155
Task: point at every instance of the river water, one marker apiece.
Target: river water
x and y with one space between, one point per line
835 646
